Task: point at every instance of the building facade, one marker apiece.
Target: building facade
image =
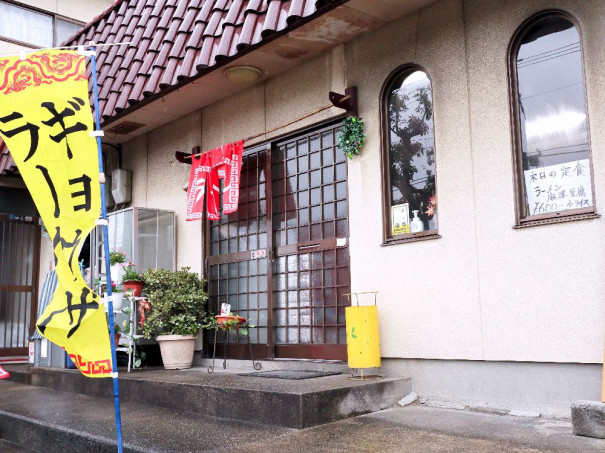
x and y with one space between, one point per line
484 117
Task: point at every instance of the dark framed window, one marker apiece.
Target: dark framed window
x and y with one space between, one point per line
33 27
408 157
551 140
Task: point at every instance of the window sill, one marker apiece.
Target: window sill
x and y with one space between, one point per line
571 218
412 238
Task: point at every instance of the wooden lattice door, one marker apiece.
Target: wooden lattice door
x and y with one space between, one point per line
282 259
310 234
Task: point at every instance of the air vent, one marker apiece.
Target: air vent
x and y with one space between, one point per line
125 127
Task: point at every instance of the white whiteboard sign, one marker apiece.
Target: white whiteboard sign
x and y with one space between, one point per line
559 187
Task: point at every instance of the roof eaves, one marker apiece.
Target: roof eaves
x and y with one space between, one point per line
152 81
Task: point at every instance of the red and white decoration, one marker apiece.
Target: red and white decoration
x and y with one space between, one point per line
208 169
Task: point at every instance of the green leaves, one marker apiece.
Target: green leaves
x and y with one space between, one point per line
177 300
352 137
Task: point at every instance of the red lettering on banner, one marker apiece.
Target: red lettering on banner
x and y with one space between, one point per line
91 368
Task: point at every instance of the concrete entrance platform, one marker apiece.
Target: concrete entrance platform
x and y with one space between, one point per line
50 421
287 403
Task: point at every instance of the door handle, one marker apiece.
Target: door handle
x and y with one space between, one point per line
308 246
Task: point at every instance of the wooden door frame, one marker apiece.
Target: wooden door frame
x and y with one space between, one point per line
34 288
271 350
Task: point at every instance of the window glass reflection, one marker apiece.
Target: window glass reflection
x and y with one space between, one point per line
554 134
411 155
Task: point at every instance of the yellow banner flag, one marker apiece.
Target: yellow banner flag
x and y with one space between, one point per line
45 120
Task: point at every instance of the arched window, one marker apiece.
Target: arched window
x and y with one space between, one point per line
550 124
410 197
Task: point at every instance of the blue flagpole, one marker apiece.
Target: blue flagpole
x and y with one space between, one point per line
114 361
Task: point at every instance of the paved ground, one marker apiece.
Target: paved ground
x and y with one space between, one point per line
7 447
427 429
55 421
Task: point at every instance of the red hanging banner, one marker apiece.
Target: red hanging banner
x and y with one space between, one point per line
232 158
200 171
209 168
214 186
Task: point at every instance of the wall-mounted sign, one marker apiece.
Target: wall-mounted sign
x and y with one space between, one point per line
31 351
400 219
558 187
258 254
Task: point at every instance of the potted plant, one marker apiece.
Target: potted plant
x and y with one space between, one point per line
116 258
132 279
230 321
117 333
117 296
177 303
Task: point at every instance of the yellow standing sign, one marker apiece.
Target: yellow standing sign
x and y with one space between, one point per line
45 120
363 337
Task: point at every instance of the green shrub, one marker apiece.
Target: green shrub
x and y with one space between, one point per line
177 300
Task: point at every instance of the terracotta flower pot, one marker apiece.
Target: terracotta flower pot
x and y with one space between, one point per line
117 338
136 287
176 350
221 319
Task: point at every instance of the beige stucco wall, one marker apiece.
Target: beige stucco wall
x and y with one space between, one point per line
483 291
158 180
543 284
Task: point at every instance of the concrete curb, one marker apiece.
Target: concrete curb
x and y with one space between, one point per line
49 438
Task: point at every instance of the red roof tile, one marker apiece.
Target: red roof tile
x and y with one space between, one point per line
7 164
177 40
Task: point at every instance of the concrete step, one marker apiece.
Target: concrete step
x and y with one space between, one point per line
287 403
9 447
50 421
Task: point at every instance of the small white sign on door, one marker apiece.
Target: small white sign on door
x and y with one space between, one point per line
258 254
32 346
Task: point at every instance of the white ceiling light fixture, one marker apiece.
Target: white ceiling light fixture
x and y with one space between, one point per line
243 74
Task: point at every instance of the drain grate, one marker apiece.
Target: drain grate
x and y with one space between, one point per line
294 375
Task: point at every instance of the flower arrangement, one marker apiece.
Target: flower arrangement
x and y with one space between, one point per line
117 257
130 272
115 288
144 307
432 206
140 355
229 322
351 138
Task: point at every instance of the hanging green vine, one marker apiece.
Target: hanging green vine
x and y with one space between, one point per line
352 137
